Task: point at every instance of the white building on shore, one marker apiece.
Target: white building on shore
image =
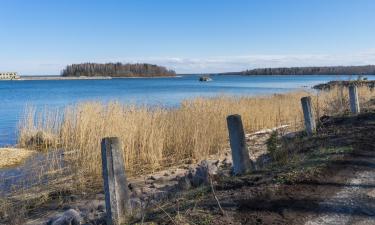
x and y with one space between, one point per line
9 76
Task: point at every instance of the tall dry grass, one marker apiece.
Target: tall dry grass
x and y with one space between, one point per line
158 137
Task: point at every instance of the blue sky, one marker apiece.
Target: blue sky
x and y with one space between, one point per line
42 36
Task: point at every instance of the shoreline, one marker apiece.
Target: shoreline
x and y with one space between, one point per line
342 83
146 77
52 77
84 78
158 178
62 78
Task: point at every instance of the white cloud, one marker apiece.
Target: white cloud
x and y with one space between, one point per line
210 64
239 63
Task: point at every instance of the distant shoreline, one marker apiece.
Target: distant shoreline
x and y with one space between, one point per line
313 70
85 77
62 78
147 77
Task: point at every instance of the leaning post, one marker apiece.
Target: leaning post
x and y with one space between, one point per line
353 96
308 115
115 184
240 153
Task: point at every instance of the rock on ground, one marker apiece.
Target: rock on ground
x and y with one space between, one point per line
69 217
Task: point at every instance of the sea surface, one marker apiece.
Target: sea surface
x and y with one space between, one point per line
15 96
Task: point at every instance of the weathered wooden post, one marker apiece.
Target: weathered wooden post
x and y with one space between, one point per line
240 153
308 115
353 96
115 184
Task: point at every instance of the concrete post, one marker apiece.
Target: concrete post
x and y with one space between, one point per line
240 153
115 184
308 115
354 103
342 98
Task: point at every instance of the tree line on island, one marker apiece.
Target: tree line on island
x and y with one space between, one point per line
327 70
117 70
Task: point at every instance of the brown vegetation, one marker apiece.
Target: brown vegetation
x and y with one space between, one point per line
157 137
13 156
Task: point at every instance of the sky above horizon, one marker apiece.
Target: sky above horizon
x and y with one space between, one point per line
41 37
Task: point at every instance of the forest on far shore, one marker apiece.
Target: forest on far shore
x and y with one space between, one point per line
117 70
327 70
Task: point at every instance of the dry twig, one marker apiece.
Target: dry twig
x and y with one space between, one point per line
217 200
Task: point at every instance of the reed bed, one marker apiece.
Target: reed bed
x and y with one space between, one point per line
157 137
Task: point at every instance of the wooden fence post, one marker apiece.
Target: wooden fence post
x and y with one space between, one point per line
115 184
308 115
353 96
240 153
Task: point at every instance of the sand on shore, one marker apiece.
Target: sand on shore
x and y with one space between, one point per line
13 156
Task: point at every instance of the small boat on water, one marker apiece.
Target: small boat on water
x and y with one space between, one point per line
205 78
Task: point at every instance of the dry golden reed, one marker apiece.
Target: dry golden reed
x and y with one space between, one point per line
10 157
156 137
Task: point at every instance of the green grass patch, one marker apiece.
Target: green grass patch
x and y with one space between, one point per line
310 164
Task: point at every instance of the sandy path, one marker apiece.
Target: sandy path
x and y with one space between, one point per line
355 202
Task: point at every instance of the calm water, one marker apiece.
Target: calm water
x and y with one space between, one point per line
15 95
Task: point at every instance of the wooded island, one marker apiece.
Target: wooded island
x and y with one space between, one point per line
116 70
327 70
